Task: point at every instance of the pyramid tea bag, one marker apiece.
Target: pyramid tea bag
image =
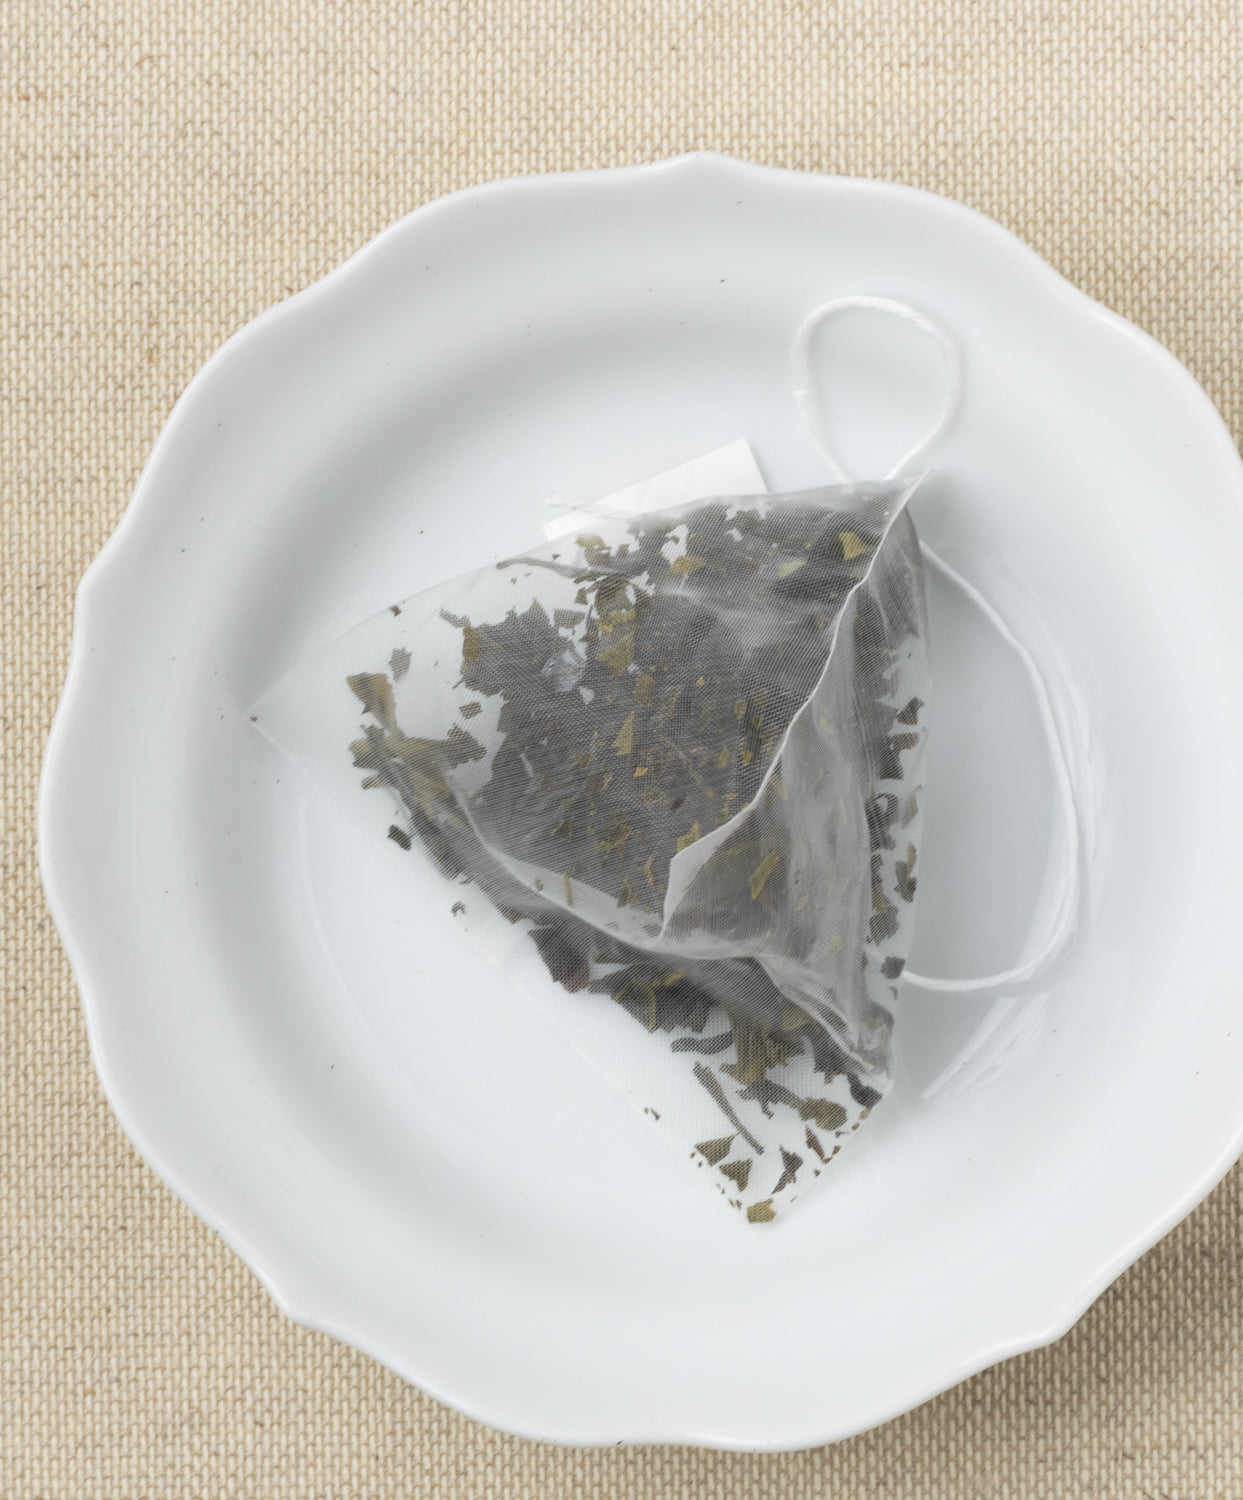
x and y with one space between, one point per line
670 771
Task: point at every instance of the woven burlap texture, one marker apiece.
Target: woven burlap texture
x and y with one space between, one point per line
172 167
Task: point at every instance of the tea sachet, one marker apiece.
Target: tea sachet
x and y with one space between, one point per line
670 771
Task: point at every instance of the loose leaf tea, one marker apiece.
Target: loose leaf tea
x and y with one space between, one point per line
683 754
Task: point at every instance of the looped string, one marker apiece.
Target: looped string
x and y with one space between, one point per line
809 408
1065 919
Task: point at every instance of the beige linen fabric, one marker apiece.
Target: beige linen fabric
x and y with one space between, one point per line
169 168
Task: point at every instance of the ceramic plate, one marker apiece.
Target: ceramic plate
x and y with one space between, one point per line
302 1051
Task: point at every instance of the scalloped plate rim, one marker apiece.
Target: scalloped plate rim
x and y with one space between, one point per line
89 621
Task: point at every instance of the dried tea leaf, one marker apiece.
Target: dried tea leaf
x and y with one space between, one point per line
716 1151
758 878
618 656
826 1113
707 1045
790 1165
567 958
690 837
374 691
863 1094
472 649
708 1079
767 1091
739 1172
904 875
461 746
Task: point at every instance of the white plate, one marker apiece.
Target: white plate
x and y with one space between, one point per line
268 1009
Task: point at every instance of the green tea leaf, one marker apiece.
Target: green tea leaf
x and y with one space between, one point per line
739 1171
758 878
472 649
706 1077
690 837
790 1164
826 1113
715 1151
374 691
618 655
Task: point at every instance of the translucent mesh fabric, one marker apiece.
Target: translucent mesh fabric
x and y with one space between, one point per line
681 758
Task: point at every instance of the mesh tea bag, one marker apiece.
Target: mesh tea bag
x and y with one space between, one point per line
670 772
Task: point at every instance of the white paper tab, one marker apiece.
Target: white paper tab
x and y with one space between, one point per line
731 470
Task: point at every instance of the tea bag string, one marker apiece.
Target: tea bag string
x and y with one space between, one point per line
809 408
1066 916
